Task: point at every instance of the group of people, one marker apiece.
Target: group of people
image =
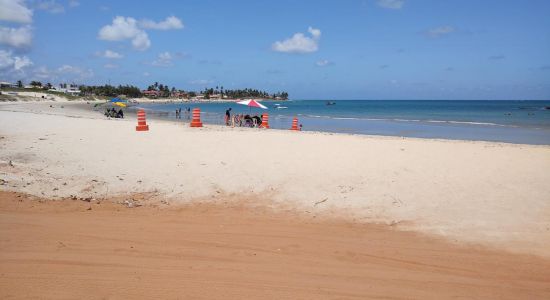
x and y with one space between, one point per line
178 112
112 113
241 120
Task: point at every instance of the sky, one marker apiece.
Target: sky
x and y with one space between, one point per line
347 49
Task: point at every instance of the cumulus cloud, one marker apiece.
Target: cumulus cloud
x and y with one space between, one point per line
16 37
299 43
110 54
171 22
440 31
50 6
15 11
9 62
391 4
124 28
141 41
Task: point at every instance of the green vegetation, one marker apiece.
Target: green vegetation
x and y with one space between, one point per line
110 91
218 91
156 90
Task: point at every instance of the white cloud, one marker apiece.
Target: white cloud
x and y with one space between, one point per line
110 66
146 74
323 63
391 4
110 54
8 62
50 6
141 41
125 29
169 23
73 3
440 31
15 11
16 37
299 43
164 59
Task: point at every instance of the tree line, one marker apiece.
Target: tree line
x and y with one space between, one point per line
163 90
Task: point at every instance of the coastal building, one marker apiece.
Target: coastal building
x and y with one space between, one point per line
5 84
151 94
179 95
71 90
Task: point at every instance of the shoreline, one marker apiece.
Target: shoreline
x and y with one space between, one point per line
470 191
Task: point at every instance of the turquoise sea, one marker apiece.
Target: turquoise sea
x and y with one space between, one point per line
505 121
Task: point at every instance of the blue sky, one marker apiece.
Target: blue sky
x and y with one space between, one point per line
365 49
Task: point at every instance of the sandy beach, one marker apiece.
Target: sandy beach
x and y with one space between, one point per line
355 216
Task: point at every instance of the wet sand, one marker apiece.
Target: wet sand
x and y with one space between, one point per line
73 249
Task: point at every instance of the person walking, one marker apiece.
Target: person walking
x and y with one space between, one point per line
227 116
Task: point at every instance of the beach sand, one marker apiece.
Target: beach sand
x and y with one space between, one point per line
75 249
408 209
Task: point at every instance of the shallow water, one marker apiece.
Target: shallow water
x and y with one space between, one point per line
505 121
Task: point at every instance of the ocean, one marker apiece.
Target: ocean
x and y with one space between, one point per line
525 122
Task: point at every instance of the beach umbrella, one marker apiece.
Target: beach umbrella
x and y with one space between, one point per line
121 104
252 103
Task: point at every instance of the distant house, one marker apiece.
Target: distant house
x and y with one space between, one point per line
151 94
180 95
72 90
5 84
215 96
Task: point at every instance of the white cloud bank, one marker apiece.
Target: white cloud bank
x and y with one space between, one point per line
169 23
299 43
16 37
391 4
15 11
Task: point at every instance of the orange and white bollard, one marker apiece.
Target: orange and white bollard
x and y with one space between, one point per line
295 124
142 124
196 121
265 121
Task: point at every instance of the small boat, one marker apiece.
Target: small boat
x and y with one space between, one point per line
281 107
331 103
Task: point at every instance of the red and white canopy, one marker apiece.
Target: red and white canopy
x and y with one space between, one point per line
252 103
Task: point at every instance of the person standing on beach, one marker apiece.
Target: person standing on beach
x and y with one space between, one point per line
227 116
177 113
